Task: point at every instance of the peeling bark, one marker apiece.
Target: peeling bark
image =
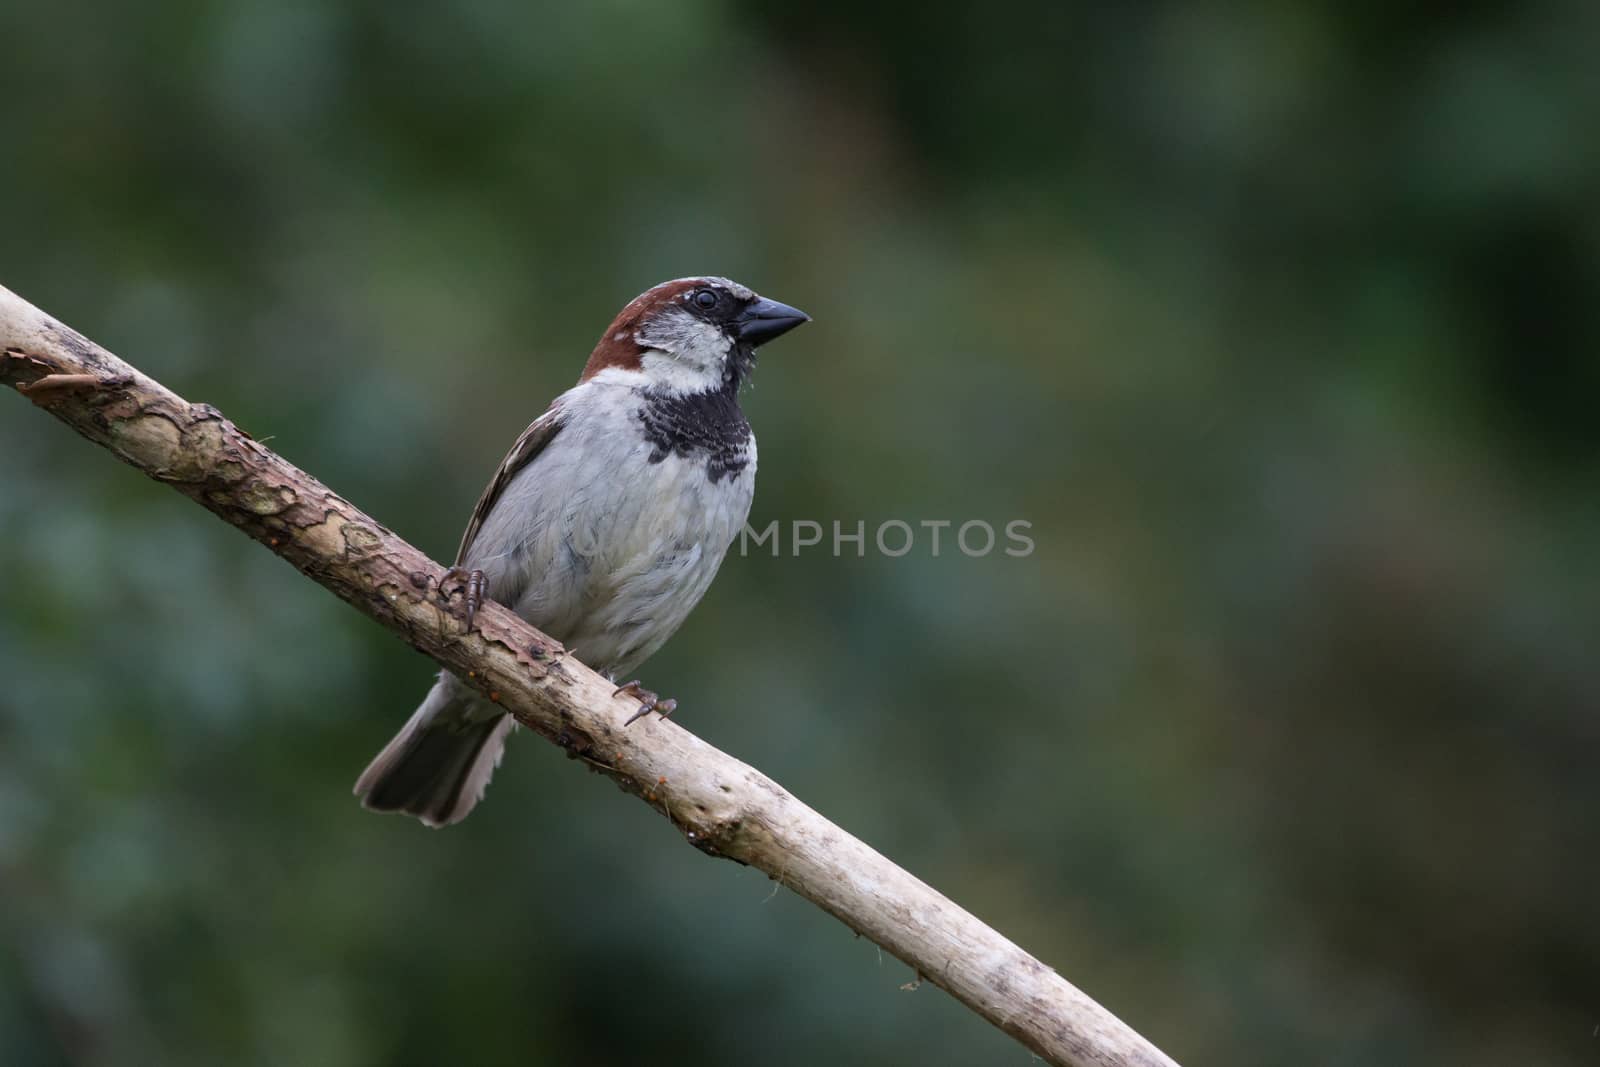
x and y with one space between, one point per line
722 806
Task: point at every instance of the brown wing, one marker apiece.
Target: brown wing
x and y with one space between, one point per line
533 440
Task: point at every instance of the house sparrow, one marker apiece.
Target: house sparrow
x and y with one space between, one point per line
604 525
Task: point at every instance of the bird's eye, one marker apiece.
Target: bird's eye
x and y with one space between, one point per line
706 298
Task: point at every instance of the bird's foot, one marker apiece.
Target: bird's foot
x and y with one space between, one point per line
648 702
473 584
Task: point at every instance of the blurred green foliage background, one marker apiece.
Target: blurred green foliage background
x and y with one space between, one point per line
1278 321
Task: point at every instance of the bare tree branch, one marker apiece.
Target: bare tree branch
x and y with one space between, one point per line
722 806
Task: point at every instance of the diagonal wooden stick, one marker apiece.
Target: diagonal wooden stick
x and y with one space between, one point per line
722 806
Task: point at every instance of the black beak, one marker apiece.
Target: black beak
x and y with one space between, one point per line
766 319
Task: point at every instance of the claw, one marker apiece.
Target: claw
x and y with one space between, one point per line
474 585
648 702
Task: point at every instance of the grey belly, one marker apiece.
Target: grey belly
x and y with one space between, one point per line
612 552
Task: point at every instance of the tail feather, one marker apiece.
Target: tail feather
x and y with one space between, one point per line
439 764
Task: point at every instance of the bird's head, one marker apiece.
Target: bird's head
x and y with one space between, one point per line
692 335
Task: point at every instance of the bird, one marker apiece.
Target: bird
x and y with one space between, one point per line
603 526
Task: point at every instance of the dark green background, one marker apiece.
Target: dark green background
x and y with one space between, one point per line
1279 322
